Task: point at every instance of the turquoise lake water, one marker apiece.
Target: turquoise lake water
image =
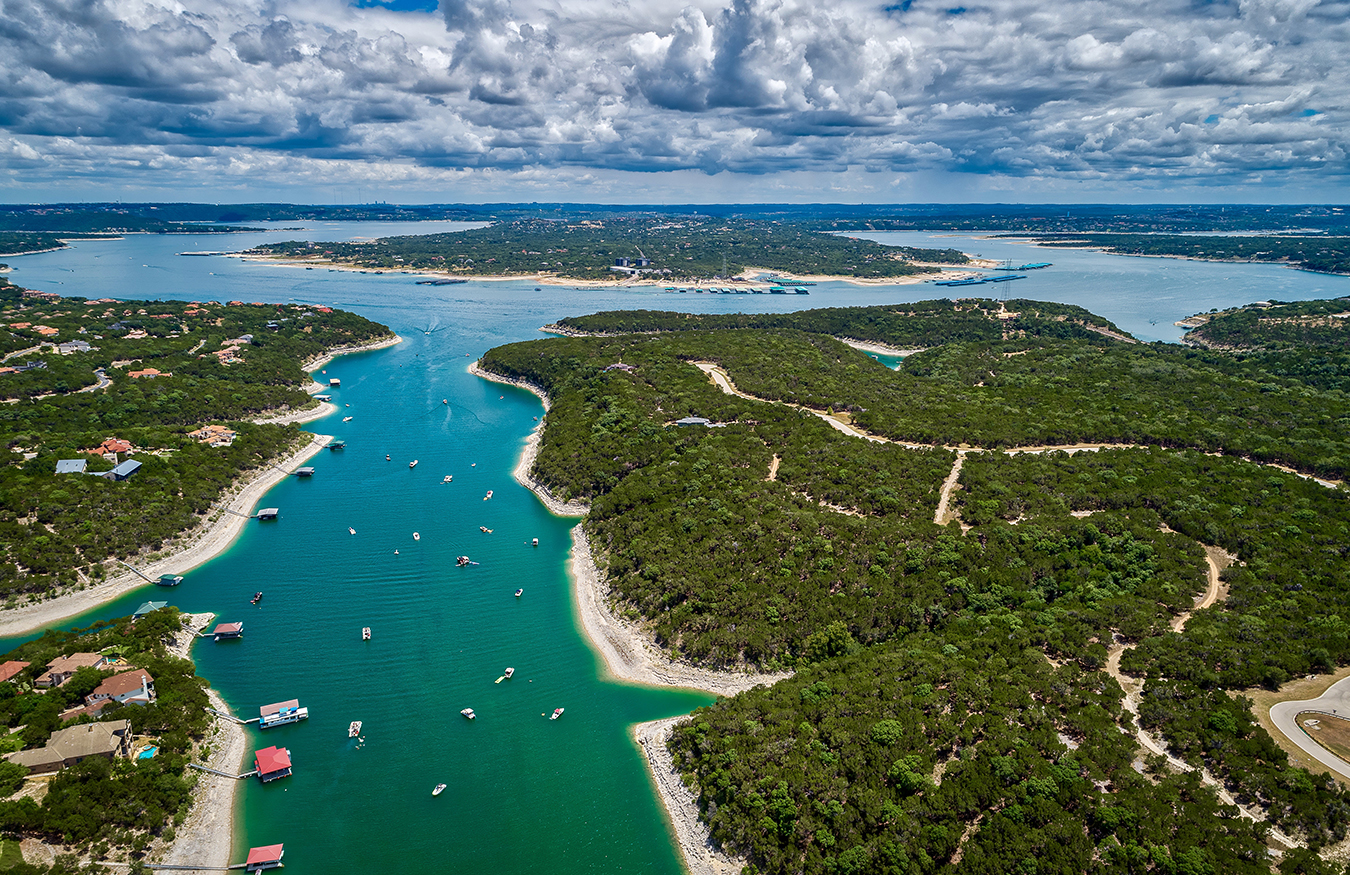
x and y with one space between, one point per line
525 794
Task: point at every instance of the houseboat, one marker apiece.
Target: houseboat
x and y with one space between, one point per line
281 713
354 730
334 382
468 712
304 472
169 580
365 633
557 712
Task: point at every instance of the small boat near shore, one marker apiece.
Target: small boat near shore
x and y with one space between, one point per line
354 730
468 713
557 712
438 790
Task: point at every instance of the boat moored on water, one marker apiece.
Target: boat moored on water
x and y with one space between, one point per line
461 561
354 730
346 419
448 478
416 536
489 495
439 789
520 591
365 633
468 712
507 674
352 530
257 597
485 530
412 464
557 712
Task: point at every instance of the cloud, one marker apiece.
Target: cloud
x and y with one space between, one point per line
1069 91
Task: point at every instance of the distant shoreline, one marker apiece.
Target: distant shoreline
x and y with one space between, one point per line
625 282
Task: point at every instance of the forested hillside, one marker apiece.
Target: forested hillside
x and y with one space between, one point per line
951 707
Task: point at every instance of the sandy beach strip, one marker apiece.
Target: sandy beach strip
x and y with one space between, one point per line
630 655
701 856
191 549
314 364
206 837
880 348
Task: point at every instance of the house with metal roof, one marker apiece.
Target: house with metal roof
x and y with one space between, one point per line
72 466
148 608
124 470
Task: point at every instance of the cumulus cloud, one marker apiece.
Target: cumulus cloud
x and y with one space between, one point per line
1082 90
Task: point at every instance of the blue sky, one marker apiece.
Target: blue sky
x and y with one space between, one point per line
652 101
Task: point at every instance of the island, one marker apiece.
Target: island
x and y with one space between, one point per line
1003 608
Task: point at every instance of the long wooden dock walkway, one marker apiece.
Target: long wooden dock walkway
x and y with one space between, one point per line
231 717
223 774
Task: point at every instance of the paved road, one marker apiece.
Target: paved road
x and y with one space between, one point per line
1335 699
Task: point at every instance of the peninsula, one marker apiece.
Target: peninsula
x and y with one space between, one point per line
992 575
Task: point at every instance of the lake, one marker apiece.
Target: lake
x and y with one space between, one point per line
525 794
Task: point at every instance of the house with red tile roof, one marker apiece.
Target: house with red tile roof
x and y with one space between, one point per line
9 669
134 687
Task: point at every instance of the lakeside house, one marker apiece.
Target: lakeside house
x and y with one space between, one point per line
66 747
134 687
272 763
10 669
148 608
123 470
111 445
214 435
63 668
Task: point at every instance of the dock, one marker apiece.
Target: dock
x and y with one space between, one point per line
233 719
211 771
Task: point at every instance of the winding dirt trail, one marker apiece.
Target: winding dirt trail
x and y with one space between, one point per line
1216 559
943 514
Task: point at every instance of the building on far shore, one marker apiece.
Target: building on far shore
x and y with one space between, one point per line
123 470
9 670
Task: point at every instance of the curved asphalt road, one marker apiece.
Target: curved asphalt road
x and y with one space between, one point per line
1337 699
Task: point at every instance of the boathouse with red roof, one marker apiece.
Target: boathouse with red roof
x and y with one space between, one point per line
272 763
268 857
